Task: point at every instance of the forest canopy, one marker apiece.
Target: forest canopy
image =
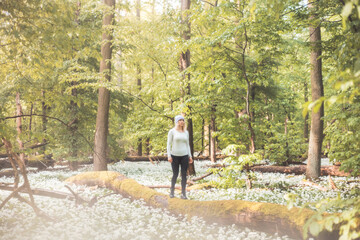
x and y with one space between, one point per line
272 81
247 81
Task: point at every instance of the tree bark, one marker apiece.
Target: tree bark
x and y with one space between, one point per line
206 145
102 118
19 127
317 91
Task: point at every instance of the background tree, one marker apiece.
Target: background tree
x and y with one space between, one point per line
102 118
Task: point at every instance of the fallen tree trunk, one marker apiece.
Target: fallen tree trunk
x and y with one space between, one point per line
164 186
145 159
4 155
38 161
42 192
300 169
11 173
201 177
160 158
47 193
265 217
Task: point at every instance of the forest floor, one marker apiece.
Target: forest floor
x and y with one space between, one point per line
115 217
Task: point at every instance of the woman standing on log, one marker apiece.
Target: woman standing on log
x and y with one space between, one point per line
179 153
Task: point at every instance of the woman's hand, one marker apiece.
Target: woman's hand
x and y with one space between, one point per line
170 159
190 160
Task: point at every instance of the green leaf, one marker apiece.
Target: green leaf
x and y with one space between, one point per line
346 11
315 228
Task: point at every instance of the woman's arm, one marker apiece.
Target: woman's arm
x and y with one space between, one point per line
189 149
169 143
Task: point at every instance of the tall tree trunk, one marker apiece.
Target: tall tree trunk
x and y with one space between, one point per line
19 127
184 64
102 118
139 147
74 109
317 91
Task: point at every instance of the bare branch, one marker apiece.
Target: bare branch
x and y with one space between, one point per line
147 105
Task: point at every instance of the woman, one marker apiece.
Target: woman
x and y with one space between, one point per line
179 153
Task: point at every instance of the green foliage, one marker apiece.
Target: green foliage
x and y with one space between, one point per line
346 219
344 137
282 147
236 172
342 130
52 60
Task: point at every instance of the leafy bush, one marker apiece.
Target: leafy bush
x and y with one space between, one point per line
344 137
347 220
281 147
236 173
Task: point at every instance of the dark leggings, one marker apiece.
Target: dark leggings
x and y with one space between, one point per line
184 162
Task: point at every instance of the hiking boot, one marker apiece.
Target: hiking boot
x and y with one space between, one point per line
171 193
183 196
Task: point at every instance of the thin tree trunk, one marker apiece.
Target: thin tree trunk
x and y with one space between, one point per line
139 147
317 91
19 127
204 132
184 64
213 138
249 92
252 120
44 120
286 136
102 118
74 112
252 132
148 146
30 119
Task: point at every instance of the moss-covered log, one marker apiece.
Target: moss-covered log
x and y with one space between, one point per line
266 217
